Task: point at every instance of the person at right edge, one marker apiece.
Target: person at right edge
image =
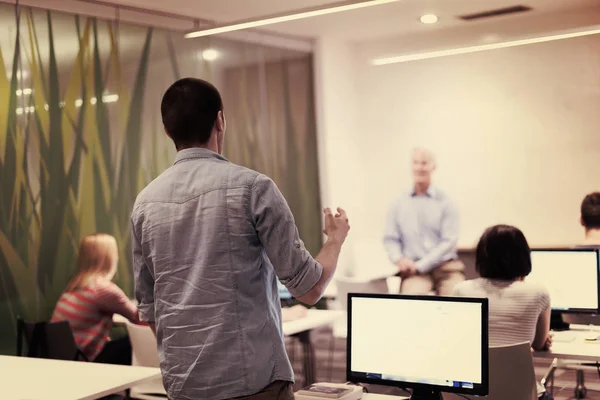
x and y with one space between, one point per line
590 220
210 239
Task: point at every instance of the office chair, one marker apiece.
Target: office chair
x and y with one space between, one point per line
511 373
145 354
52 340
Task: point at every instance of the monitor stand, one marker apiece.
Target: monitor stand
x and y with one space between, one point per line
425 394
556 321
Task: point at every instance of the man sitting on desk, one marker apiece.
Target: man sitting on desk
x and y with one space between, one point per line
421 234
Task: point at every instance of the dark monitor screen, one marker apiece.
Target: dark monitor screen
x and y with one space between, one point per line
415 342
571 277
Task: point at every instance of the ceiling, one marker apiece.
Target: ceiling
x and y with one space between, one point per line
388 20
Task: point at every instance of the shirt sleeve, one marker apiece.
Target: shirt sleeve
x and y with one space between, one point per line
112 300
450 230
144 280
277 231
392 237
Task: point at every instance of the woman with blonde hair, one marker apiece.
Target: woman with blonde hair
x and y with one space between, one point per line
91 299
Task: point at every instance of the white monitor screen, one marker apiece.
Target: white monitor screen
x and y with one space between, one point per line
571 277
404 339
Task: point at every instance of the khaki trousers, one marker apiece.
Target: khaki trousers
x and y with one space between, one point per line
278 390
441 280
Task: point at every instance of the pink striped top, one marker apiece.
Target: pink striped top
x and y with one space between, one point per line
89 311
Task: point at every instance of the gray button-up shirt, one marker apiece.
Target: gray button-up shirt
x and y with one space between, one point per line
423 228
210 238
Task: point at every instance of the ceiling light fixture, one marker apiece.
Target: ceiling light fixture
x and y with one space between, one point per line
484 47
110 98
429 19
25 91
210 55
290 16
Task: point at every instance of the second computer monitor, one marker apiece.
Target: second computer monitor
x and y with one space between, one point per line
571 277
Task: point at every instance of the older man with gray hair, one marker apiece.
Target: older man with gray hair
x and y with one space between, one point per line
422 232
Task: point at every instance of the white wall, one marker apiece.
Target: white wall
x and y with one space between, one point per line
516 132
342 149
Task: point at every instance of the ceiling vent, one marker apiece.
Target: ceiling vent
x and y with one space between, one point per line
495 13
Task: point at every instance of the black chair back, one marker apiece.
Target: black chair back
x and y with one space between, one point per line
52 340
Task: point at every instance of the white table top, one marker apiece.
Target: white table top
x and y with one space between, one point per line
314 319
571 344
41 379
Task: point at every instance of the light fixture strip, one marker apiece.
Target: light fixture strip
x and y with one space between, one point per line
484 47
289 16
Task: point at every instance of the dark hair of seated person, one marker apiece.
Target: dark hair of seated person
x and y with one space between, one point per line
503 253
590 211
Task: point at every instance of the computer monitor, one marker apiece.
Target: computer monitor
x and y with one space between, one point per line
428 343
284 293
571 277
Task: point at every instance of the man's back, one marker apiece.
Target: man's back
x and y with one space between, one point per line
204 277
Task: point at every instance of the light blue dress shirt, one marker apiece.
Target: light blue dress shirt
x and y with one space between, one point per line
423 228
210 241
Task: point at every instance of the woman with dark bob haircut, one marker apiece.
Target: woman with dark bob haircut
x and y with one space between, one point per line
519 311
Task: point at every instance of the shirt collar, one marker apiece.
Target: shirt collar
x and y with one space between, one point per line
195 153
431 192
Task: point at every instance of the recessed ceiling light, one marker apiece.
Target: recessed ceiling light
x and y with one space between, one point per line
210 55
484 47
289 16
429 19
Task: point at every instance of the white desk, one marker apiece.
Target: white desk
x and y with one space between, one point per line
41 379
299 329
314 319
374 396
569 349
572 345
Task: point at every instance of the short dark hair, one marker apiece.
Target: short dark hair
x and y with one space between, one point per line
590 211
503 253
189 110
